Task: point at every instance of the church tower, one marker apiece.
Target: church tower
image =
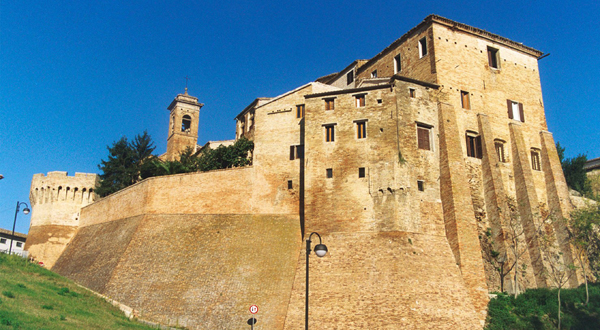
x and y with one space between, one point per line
183 124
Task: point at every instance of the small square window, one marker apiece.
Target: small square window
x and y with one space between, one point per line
329 104
290 184
329 133
412 92
329 172
493 57
360 101
474 148
379 101
300 111
465 100
374 74
2 240
19 244
397 63
361 172
535 160
515 110
420 185
361 129
349 77
423 137
422 47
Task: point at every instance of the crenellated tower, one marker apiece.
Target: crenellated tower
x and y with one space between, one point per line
56 200
183 124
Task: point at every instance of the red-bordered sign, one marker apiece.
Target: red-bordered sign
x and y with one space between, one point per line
253 309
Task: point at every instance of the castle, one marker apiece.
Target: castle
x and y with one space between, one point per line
404 163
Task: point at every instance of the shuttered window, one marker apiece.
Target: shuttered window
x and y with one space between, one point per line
515 110
465 100
361 129
329 104
499 146
329 133
360 101
492 57
423 137
300 111
350 77
474 148
535 160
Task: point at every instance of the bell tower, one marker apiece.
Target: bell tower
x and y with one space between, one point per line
183 124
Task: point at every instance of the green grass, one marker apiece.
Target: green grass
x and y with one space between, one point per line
36 298
537 309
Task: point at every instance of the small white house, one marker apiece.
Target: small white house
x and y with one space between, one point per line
17 241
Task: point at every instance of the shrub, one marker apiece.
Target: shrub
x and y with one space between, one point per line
8 294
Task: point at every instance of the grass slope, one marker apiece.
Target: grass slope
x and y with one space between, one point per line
32 297
538 309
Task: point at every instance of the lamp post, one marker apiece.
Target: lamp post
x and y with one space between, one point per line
320 251
26 211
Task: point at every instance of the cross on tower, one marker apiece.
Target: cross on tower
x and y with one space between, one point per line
186 83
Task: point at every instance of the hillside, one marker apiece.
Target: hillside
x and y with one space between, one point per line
32 297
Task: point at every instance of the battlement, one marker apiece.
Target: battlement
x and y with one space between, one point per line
58 186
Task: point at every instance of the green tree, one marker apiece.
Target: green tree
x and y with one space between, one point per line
584 236
575 175
124 164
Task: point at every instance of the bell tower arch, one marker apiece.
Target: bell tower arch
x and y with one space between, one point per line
183 124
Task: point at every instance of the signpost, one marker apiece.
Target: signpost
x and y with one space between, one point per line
252 320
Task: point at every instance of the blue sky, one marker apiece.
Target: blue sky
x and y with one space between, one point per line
77 75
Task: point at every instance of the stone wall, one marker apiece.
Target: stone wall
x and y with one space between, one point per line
56 200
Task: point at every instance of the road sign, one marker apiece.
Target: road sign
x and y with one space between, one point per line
253 309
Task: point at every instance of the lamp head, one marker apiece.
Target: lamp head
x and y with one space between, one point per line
320 250
26 210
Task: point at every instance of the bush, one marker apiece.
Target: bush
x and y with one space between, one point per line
8 294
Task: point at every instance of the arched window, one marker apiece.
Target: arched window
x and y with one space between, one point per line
186 123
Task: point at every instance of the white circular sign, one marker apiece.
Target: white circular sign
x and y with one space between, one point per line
253 309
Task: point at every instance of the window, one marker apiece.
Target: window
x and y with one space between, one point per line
2 240
535 160
361 129
397 64
329 133
329 104
465 100
374 74
296 152
499 146
422 47
329 173
423 137
493 57
300 111
350 77
290 184
19 244
361 172
515 110
474 145
186 123
421 185
360 100
412 92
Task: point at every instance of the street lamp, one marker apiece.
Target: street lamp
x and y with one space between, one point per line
320 251
26 211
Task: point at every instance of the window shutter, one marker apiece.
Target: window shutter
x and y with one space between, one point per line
521 112
301 151
292 153
469 151
479 147
423 138
509 106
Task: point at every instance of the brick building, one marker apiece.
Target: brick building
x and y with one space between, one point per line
406 164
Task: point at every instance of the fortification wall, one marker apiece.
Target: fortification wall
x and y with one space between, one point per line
56 200
192 270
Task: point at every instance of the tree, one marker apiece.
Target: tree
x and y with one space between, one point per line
584 225
575 175
124 164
